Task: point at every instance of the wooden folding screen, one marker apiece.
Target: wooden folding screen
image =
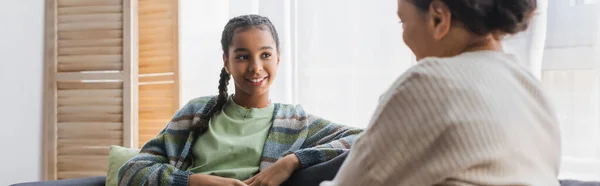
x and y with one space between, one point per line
90 84
158 65
102 57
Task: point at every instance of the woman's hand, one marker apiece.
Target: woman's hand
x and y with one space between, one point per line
208 180
277 173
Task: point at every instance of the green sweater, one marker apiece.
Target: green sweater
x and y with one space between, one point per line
165 160
233 143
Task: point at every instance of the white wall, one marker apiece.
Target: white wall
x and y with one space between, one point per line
201 23
21 74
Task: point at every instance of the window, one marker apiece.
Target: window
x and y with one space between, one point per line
570 70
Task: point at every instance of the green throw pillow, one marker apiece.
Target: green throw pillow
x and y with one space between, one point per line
118 157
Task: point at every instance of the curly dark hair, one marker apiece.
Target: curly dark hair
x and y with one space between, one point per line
485 16
234 25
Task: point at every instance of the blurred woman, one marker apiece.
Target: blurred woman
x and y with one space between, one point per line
467 113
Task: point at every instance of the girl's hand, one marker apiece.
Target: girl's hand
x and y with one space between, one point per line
277 173
208 180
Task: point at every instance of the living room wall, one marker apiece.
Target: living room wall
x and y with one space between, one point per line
21 74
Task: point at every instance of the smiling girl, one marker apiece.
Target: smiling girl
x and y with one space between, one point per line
239 139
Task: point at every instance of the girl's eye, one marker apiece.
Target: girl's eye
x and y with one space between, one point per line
242 57
266 55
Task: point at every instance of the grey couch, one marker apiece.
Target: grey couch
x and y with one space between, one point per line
311 176
305 177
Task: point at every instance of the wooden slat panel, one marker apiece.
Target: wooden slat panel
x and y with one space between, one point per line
158 54
90 42
91 34
152 8
108 25
156 106
111 17
90 109
70 158
155 122
164 111
62 3
155 38
78 67
82 163
158 60
150 24
115 58
156 69
90 142
154 53
83 150
90 93
82 166
144 4
157 30
146 100
156 46
75 76
90 126
90 118
168 87
90 85
89 134
90 26
90 9
167 108
90 50
156 78
155 16
49 171
90 101
154 93
79 174
160 115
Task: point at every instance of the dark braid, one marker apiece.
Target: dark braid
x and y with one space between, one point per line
239 23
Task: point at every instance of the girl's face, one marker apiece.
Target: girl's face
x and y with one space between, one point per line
252 61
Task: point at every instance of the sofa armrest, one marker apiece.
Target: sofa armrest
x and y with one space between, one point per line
88 181
314 175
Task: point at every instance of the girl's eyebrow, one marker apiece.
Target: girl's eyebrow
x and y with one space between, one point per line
241 50
246 50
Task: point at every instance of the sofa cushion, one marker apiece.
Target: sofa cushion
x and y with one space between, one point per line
117 157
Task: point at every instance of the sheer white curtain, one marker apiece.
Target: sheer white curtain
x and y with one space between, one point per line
339 56
348 53
570 72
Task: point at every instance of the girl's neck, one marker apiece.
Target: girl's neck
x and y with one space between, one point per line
252 101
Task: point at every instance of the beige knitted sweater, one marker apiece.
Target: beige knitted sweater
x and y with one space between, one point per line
478 118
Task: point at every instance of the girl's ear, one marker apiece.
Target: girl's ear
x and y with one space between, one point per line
225 64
